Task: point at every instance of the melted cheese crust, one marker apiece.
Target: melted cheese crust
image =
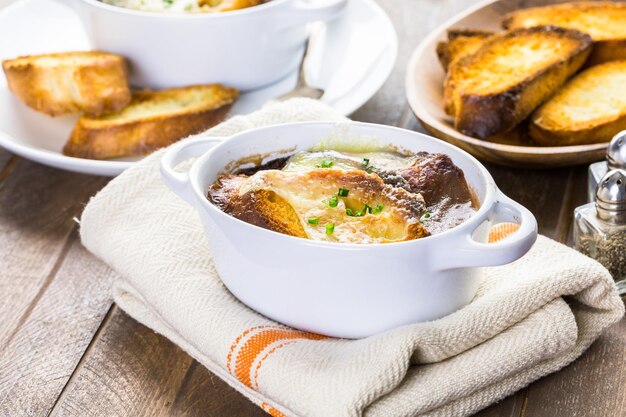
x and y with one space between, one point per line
310 192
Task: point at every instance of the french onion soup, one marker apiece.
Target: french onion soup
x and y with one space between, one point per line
349 197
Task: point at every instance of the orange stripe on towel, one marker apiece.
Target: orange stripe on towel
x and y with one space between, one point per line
500 231
271 410
257 343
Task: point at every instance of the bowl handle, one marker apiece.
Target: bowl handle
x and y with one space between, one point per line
470 253
178 181
300 12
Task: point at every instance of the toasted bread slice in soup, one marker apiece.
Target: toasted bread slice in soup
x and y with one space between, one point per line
303 203
604 21
152 120
494 89
460 43
91 82
590 108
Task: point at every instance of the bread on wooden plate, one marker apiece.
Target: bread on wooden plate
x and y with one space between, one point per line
69 82
604 21
152 120
460 43
494 89
590 108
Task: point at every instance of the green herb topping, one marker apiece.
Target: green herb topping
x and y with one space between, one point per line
332 202
365 162
326 163
313 220
377 209
343 192
425 216
330 228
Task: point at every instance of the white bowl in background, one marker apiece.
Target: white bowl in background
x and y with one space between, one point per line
339 289
247 48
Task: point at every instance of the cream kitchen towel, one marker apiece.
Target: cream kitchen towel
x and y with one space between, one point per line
529 318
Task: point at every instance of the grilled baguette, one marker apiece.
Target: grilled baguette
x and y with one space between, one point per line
70 82
604 21
152 120
494 89
284 201
460 43
590 108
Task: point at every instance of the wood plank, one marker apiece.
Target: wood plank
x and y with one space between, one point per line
7 162
41 355
202 394
37 205
131 371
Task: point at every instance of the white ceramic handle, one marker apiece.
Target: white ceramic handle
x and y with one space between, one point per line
177 181
300 12
470 253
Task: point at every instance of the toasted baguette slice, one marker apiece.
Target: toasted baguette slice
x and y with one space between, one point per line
591 108
152 120
70 82
604 21
460 43
285 201
494 89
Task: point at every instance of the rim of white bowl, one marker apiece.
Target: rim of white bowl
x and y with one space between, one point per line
184 15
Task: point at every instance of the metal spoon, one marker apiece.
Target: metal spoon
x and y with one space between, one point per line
302 88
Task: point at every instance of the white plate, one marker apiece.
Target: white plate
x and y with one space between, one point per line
354 57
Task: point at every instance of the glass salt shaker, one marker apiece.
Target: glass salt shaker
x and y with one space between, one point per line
600 227
615 158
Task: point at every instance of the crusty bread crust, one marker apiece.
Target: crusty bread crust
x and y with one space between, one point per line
483 114
140 129
604 21
91 82
460 43
590 108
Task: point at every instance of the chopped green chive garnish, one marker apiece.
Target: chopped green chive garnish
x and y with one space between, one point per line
366 162
327 163
343 192
330 228
349 212
332 202
377 209
313 220
425 216
367 209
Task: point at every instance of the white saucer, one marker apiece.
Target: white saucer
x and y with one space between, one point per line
353 59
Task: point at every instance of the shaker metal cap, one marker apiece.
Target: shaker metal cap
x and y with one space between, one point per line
616 152
611 196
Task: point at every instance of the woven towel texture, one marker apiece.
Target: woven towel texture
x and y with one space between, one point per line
529 318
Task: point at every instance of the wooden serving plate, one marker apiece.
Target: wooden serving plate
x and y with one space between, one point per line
424 89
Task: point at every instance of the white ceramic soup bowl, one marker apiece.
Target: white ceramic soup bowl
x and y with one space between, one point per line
246 48
336 289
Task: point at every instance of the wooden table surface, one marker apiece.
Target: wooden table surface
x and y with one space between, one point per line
67 350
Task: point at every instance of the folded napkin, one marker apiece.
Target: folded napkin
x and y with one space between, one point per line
529 319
